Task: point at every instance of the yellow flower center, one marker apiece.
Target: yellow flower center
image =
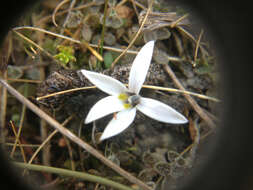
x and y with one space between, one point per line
127 106
123 97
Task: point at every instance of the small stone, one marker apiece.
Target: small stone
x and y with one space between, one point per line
160 57
109 39
75 18
163 33
149 35
14 72
163 168
172 155
86 33
147 174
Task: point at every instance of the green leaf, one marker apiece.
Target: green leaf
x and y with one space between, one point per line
108 59
203 69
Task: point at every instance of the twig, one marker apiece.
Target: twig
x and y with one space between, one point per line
135 37
3 110
70 173
19 142
73 137
193 103
56 9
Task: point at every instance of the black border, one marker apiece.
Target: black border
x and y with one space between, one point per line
231 162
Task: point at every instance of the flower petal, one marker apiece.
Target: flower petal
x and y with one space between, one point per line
140 67
103 107
119 123
160 111
105 83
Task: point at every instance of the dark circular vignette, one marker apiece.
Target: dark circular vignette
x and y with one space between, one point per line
10 12
230 161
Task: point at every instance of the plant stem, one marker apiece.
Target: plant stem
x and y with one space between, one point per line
103 31
75 174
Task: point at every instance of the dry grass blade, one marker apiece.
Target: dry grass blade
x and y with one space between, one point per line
42 145
56 9
73 137
197 46
65 91
135 37
71 39
93 51
174 23
24 80
144 86
36 45
181 92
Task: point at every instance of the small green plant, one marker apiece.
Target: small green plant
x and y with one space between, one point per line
65 55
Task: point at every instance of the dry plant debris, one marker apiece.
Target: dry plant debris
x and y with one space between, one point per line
42 56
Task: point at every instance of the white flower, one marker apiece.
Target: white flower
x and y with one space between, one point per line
126 101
